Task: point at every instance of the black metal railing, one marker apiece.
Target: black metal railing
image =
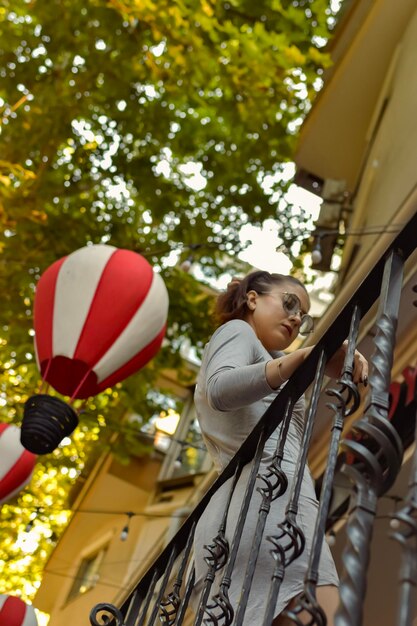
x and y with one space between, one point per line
375 451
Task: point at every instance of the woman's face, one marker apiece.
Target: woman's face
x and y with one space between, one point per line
273 325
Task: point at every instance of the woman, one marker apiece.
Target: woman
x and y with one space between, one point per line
243 369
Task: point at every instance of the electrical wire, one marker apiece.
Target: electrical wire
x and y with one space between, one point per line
40 509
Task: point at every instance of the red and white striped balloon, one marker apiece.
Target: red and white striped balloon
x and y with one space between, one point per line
16 463
15 612
100 315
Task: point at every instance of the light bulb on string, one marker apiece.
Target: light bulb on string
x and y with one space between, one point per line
125 531
331 538
31 522
29 526
316 254
320 252
394 522
186 265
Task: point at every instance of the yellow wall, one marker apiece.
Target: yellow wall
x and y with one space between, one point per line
114 489
87 532
390 174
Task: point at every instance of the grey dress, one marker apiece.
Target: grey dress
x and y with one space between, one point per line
232 394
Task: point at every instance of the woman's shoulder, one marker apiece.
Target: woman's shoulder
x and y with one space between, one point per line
234 328
235 332
233 342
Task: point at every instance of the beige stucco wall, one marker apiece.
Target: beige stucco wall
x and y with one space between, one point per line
118 489
334 135
390 174
112 490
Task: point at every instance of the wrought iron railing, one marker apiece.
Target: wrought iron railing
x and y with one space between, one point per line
375 452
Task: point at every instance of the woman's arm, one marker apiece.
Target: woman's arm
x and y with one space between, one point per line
234 370
236 377
281 369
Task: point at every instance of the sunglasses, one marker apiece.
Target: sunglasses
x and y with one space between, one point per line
292 306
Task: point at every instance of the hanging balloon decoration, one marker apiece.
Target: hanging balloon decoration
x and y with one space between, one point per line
16 463
14 612
99 316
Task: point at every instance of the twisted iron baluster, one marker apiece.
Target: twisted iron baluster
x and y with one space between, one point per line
347 402
377 455
170 605
275 485
218 552
220 611
406 535
289 543
105 619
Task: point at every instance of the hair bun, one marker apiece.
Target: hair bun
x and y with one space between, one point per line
235 282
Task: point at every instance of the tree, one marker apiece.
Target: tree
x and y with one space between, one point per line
150 126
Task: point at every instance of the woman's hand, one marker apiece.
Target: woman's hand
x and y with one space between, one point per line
279 370
334 367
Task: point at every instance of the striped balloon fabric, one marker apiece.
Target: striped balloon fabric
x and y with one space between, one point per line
14 612
16 463
100 315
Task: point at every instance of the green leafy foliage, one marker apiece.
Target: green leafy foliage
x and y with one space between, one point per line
149 126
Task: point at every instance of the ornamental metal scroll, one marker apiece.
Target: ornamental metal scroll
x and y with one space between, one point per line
102 611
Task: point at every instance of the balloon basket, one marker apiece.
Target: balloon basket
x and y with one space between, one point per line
46 421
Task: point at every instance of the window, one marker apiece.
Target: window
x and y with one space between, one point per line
187 453
88 573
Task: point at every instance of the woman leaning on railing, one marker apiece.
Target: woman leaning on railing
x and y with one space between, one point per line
243 369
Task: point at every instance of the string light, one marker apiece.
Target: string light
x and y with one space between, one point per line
316 253
29 526
186 265
395 523
330 535
125 531
148 254
93 511
331 538
39 510
31 522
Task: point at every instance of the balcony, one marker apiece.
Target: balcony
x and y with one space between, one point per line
367 463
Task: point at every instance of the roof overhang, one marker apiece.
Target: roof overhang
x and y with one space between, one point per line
334 137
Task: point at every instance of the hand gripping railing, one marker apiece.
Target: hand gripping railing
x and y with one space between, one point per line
163 594
378 454
346 403
289 543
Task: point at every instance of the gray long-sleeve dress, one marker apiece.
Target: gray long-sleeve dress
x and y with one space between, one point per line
232 394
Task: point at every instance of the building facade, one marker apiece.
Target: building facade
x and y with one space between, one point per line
358 148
